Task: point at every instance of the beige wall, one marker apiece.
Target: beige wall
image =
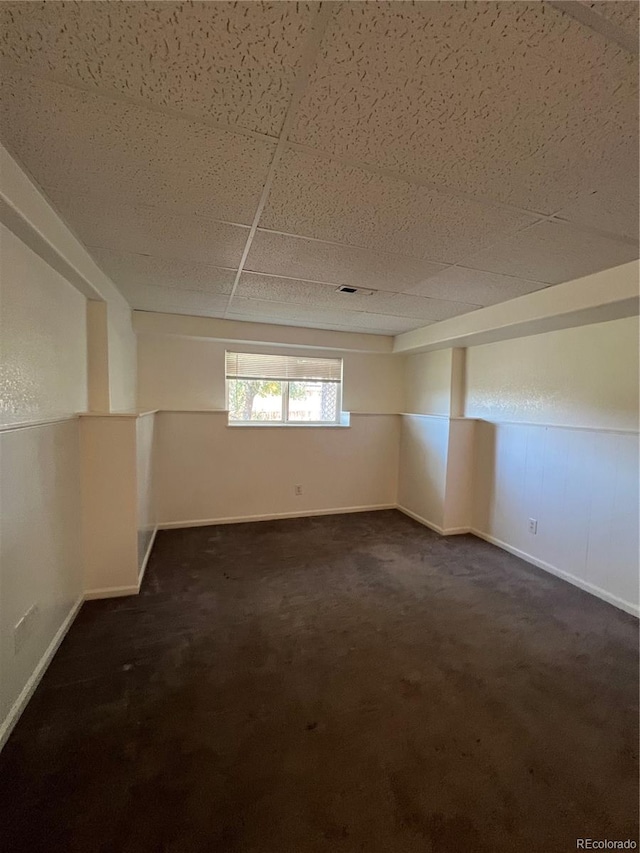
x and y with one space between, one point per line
43 376
427 383
422 476
43 362
207 470
122 357
558 443
586 376
40 559
189 373
109 505
581 487
146 521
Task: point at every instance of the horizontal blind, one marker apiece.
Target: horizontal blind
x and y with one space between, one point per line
249 365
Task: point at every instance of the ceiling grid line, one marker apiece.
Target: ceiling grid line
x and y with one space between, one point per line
313 45
141 103
271 149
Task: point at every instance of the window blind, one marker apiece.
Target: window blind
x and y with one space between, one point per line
249 365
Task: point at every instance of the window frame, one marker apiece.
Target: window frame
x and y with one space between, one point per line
341 419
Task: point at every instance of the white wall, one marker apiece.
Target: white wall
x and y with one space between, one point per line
43 362
206 470
145 473
109 505
209 471
586 376
427 383
46 277
42 378
122 357
581 485
178 372
422 477
559 443
40 558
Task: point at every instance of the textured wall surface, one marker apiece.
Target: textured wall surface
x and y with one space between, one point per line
187 373
428 383
145 475
43 350
122 358
208 470
586 376
422 474
581 486
40 548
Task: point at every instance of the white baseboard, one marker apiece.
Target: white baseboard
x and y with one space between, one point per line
111 592
414 515
443 531
143 567
7 725
241 519
627 606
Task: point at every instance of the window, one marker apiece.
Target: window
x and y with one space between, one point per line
283 389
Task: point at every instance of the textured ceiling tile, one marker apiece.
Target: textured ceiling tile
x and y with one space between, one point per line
422 308
611 203
623 13
285 290
259 311
85 144
232 62
296 257
268 310
130 271
144 297
316 197
150 231
389 324
483 288
511 101
553 253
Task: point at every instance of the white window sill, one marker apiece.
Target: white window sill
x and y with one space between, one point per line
267 425
345 423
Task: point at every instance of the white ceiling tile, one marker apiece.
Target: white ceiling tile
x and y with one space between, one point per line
389 324
553 252
611 203
84 144
260 311
420 307
483 288
316 197
511 101
145 297
128 271
286 290
297 257
623 13
151 231
231 62
268 310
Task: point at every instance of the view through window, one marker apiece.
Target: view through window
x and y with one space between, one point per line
283 389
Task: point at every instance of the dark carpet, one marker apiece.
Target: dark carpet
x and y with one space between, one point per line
345 683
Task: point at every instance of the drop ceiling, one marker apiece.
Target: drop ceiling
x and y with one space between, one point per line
244 160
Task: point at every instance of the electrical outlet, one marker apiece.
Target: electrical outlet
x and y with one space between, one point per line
297 490
533 525
25 627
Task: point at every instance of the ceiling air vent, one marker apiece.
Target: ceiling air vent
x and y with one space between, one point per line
359 290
